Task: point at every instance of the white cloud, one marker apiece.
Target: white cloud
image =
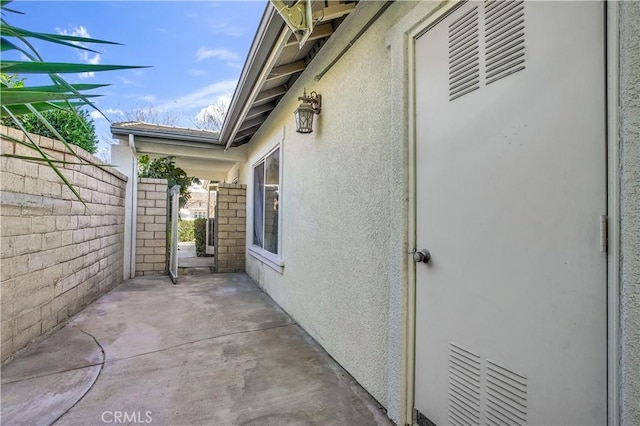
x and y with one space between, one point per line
218 108
225 26
128 81
221 54
202 96
148 98
197 72
109 111
86 56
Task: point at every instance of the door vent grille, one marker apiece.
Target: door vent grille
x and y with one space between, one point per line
504 38
506 396
464 387
464 55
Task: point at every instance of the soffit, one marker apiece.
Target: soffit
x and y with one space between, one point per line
265 79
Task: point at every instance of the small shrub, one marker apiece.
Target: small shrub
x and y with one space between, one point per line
76 128
185 231
200 234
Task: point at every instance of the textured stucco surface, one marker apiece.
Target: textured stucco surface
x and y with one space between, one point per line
360 148
343 210
630 210
411 15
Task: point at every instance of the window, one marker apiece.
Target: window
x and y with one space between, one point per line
266 193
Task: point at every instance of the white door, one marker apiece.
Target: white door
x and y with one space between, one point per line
511 308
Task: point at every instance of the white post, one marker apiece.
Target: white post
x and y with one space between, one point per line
124 157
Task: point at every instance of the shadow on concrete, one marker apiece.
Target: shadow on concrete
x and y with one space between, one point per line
213 350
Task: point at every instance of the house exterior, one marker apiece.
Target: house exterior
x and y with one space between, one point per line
196 207
502 139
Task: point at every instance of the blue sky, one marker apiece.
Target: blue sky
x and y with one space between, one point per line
196 50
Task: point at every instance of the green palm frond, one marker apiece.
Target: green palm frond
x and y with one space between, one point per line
18 101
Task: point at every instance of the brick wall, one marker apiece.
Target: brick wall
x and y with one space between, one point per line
56 254
151 227
231 234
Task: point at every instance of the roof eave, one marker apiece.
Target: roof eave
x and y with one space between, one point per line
270 29
117 130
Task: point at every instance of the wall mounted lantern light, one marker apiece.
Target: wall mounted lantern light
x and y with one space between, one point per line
304 113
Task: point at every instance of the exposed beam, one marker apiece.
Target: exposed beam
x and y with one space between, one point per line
259 110
319 31
248 124
288 69
246 134
241 140
270 94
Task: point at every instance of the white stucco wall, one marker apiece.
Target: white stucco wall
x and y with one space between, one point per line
341 246
345 252
630 211
232 174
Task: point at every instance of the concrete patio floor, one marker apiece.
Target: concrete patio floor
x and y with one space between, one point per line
212 350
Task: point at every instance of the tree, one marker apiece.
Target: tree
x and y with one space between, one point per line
16 101
165 168
151 115
212 117
76 127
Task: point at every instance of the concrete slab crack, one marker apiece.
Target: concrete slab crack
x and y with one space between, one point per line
201 340
94 381
104 361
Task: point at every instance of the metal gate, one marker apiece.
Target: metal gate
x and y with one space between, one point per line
174 194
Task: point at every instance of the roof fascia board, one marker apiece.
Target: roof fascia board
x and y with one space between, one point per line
269 32
258 82
178 138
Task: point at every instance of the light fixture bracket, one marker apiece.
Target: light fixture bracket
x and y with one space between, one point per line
313 99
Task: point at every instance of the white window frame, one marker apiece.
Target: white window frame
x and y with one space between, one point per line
272 260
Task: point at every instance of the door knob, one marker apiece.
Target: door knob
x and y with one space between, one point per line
422 256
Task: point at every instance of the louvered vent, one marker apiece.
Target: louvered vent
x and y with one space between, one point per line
464 55
464 387
504 38
506 396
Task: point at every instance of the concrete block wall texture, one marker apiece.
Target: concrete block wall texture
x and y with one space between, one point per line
231 233
57 255
151 227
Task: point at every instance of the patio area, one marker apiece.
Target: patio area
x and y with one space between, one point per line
212 350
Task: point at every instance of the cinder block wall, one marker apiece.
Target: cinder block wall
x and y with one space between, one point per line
231 233
56 254
151 227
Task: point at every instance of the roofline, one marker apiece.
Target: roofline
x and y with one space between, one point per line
270 29
118 129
